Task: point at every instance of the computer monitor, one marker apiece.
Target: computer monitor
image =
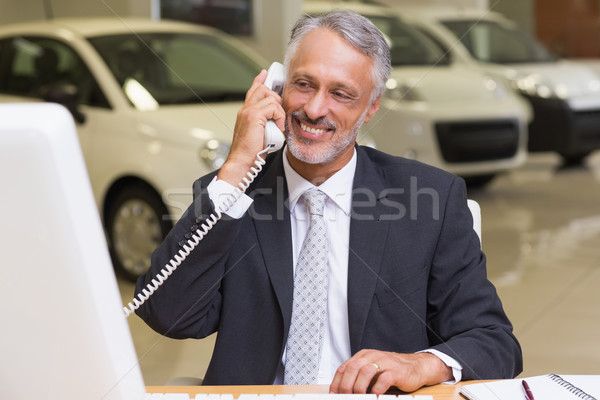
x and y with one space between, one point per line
63 333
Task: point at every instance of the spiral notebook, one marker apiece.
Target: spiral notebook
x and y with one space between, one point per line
544 387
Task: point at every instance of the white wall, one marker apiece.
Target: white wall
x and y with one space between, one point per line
273 18
273 21
23 10
479 4
29 10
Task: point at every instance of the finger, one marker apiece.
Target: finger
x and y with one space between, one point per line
249 131
262 92
382 382
268 107
267 103
341 373
365 377
262 111
334 387
258 81
277 113
351 375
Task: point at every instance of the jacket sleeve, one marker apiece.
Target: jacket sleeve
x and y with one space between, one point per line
465 316
187 304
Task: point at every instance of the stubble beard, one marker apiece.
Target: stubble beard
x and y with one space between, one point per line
305 150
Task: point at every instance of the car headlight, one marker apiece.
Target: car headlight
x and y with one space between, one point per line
537 86
214 153
401 91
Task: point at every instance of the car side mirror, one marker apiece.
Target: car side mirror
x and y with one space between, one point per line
65 94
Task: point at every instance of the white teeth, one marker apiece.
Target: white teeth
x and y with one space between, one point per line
311 130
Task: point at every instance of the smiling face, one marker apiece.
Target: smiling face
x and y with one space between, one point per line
326 99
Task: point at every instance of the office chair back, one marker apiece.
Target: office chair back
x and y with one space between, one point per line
476 212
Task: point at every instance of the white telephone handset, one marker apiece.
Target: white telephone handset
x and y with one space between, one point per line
273 141
275 80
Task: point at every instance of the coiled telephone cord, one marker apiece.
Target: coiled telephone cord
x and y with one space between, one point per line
192 242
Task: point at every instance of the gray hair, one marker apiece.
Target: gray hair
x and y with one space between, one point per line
358 31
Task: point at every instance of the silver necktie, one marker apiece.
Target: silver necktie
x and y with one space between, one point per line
309 310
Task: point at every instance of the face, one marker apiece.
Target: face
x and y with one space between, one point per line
326 100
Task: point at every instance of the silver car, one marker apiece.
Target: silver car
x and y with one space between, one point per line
564 96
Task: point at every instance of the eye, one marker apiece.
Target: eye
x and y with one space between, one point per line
302 84
341 95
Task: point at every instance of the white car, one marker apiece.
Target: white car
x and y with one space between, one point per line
155 104
564 95
441 112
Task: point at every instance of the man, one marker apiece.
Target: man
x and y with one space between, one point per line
406 298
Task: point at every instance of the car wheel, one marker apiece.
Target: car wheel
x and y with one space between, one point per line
135 227
573 159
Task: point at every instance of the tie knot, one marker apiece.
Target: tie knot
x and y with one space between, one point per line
315 201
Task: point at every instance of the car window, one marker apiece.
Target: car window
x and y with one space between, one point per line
498 43
408 46
173 68
33 64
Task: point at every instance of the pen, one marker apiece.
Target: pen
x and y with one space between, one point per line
528 392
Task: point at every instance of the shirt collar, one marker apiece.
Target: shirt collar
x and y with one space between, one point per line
338 187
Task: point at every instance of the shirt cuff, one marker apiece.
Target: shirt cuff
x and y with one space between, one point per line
450 362
220 192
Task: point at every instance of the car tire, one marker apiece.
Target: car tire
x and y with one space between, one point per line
573 159
135 227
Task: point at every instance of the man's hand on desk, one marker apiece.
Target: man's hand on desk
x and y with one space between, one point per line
381 370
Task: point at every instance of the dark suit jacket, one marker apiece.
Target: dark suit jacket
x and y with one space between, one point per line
416 275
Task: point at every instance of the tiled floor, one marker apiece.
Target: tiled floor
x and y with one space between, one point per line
541 233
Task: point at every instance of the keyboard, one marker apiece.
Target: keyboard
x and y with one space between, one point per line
297 396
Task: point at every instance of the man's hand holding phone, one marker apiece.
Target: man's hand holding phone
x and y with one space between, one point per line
261 105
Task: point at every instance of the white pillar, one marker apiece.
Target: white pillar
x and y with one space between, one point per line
273 20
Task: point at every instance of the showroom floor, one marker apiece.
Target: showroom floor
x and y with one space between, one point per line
541 233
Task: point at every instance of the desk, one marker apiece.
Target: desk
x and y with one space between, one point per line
439 392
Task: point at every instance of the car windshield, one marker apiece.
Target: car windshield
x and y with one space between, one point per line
172 68
494 42
408 46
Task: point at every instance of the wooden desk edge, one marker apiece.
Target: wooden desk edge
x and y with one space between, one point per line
439 392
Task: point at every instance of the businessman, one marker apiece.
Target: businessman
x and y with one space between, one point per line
341 264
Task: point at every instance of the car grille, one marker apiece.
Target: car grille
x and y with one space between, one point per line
478 140
588 122
588 113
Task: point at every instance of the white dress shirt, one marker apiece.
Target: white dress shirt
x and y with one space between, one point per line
338 188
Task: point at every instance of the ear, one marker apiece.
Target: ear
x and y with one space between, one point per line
372 109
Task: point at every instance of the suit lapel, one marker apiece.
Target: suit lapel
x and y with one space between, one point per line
368 235
274 232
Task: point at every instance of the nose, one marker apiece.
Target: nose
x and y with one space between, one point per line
316 106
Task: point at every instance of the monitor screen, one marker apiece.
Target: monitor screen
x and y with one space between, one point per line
64 334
